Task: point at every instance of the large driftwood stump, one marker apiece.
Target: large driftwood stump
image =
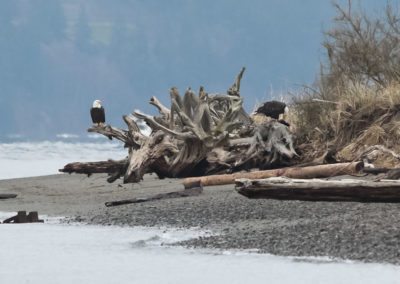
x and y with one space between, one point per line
200 134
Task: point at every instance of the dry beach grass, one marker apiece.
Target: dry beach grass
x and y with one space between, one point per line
355 101
360 117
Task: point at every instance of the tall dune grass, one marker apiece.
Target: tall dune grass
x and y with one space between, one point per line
356 101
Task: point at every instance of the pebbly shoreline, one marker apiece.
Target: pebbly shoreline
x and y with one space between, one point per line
367 232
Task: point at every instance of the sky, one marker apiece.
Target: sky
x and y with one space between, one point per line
58 56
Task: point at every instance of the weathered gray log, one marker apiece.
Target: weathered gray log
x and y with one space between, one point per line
109 167
320 171
110 132
283 188
175 194
115 169
7 195
131 138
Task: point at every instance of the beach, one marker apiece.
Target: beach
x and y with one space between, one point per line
366 232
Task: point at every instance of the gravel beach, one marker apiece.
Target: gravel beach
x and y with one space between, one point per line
357 231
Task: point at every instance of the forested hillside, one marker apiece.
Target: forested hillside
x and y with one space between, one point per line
57 56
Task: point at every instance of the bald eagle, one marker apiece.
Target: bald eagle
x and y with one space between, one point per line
273 109
97 113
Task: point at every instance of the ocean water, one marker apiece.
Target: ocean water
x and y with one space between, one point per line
58 253
27 159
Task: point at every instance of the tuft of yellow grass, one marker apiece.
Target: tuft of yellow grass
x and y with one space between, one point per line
348 118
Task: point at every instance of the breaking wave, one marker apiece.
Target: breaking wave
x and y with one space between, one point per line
67 136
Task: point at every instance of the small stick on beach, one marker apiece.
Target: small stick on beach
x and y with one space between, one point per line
7 195
175 194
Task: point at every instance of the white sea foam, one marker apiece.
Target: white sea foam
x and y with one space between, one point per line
67 136
144 128
26 159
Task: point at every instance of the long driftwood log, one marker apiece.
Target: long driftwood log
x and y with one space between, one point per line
109 166
320 190
197 134
320 171
115 169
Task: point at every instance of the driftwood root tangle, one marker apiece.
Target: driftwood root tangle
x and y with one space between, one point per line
320 190
198 134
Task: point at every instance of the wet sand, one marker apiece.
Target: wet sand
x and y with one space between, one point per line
356 231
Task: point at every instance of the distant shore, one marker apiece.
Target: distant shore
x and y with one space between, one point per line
356 231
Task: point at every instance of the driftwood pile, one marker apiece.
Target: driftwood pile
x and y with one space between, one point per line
319 171
199 134
209 139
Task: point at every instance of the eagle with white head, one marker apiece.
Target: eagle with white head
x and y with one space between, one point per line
275 110
97 113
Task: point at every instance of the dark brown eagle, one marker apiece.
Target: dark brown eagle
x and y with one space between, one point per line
272 109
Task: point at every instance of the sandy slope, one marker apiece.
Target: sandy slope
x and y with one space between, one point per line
368 232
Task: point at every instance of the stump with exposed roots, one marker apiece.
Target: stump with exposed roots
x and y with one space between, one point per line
199 134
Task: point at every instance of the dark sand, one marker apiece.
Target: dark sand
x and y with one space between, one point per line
357 231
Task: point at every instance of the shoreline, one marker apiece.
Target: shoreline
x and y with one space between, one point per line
367 232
